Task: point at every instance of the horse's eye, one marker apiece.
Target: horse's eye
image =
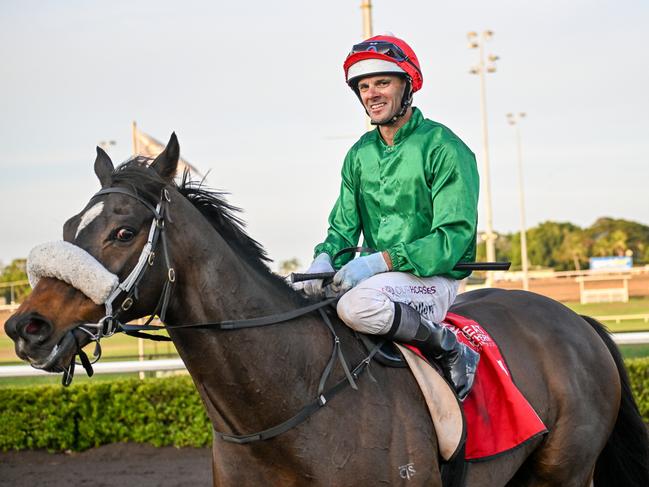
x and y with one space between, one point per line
124 234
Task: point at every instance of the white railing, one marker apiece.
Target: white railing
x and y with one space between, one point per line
634 338
100 368
620 318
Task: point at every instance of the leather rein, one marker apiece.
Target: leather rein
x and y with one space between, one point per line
127 290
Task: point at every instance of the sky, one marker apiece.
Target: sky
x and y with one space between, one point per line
256 94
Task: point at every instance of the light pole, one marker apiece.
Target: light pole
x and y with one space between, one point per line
477 42
515 120
366 9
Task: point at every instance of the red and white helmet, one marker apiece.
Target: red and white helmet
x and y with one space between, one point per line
383 54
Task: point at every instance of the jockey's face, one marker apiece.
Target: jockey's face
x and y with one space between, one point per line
381 96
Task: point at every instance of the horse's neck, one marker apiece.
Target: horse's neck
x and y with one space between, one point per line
248 378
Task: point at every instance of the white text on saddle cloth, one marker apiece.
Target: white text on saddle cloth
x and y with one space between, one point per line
475 332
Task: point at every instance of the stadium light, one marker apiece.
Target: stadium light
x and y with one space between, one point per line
477 42
514 120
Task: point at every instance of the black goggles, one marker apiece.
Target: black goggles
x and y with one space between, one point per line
381 47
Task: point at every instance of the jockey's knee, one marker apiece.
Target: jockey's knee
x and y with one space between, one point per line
366 310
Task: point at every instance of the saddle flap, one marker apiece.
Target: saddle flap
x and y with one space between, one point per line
443 405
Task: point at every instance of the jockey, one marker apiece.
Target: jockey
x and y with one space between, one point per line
410 186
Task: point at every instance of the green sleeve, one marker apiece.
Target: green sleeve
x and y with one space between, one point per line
452 238
344 221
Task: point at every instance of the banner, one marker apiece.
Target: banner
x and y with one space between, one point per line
145 145
611 263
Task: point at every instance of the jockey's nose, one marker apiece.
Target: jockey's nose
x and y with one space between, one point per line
30 327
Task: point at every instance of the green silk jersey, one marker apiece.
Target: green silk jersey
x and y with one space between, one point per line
417 200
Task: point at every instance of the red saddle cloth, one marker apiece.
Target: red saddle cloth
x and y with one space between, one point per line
498 417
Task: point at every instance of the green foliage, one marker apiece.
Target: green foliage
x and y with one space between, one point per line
638 370
288 266
156 411
564 246
14 272
161 412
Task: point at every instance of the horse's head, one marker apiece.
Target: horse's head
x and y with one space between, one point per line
111 242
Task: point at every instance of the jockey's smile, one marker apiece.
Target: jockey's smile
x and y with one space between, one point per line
381 96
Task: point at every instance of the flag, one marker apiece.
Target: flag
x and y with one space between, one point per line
145 145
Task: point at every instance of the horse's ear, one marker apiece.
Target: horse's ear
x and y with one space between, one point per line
167 161
103 167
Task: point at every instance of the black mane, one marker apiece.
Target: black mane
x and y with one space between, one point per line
135 175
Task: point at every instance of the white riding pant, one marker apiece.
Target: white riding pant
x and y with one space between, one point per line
369 307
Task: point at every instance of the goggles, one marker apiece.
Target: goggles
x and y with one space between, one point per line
381 47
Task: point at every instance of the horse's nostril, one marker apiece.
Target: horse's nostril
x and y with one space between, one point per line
34 328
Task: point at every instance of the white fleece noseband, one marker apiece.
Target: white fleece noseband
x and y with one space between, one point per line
69 263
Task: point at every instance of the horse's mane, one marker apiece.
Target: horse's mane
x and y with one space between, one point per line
135 174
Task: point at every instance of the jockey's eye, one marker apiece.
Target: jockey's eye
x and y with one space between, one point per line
124 234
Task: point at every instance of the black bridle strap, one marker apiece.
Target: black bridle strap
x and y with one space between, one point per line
305 412
126 192
237 324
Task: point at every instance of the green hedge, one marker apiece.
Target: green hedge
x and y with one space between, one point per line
638 369
161 412
156 411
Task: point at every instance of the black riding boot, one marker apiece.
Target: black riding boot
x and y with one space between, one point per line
438 344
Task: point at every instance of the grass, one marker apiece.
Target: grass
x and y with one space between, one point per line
79 378
117 347
635 351
633 307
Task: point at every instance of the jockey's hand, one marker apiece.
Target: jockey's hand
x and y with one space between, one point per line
358 270
313 288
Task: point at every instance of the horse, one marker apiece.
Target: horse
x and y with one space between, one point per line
567 366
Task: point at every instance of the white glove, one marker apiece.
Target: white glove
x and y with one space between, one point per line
357 270
313 288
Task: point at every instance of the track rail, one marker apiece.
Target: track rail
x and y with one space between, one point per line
635 338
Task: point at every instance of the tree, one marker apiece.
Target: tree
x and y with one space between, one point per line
14 272
612 236
288 266
564 246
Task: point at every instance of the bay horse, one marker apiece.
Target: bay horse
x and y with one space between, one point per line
566 365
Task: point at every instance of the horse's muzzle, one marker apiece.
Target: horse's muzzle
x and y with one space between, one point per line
32 334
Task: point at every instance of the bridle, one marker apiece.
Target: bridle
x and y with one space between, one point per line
127 292
127 289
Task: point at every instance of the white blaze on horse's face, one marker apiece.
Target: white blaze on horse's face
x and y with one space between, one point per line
89 216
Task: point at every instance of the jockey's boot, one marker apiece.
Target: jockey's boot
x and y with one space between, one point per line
437 343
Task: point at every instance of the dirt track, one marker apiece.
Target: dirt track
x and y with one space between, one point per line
117 465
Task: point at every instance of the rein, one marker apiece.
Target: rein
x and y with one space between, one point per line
128 290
